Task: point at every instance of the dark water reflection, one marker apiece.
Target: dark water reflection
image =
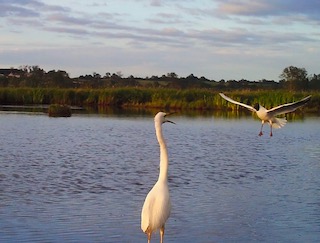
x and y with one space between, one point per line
84 179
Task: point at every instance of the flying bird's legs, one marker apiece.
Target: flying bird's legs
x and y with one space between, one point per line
161 234
149 237
271 129
260 134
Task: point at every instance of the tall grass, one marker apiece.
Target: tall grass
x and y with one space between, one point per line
190 99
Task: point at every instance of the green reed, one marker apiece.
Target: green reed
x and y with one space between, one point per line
161 98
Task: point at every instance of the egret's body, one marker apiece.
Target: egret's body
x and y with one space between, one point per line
270 115
157 206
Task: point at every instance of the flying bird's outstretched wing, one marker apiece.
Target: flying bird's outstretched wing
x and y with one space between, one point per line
270 115
237 103
282 109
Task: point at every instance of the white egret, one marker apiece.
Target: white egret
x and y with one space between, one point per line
157 206
270 115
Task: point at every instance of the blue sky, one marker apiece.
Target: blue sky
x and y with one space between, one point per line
218 39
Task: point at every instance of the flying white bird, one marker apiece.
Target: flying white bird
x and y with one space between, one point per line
270 115
157 206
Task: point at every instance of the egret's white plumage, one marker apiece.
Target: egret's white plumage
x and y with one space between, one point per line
270 115
157 206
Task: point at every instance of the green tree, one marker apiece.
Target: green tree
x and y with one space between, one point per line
3 81
107 75
295 78
36 76
58 79
315 82
172 75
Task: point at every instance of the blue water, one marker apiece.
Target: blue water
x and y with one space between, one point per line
84 179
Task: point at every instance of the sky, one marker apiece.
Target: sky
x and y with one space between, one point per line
217 39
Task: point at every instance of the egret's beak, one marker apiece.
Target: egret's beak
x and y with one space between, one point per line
168 114
170 121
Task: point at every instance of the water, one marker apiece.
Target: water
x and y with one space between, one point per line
84 179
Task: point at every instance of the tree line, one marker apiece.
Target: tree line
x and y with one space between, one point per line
292 78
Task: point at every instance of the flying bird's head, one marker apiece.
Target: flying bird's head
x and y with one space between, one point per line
256 106
161 117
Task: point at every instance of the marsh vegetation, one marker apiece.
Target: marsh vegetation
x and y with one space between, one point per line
164 98
31 85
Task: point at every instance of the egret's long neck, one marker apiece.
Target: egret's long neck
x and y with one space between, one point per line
163 175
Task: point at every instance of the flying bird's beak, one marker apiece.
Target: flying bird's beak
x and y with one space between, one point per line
257 106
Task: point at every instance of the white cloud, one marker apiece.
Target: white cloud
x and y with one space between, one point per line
161 36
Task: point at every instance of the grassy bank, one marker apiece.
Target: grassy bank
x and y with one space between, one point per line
196 99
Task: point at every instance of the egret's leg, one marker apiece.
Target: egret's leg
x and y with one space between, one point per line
161 234
149 237
271 130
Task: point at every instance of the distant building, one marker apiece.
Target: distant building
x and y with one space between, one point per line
11 72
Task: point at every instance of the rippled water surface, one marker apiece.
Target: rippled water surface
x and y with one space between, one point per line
84 179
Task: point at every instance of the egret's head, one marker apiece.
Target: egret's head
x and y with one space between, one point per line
161 117
257 106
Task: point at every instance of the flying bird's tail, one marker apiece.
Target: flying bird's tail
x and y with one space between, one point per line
278 122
